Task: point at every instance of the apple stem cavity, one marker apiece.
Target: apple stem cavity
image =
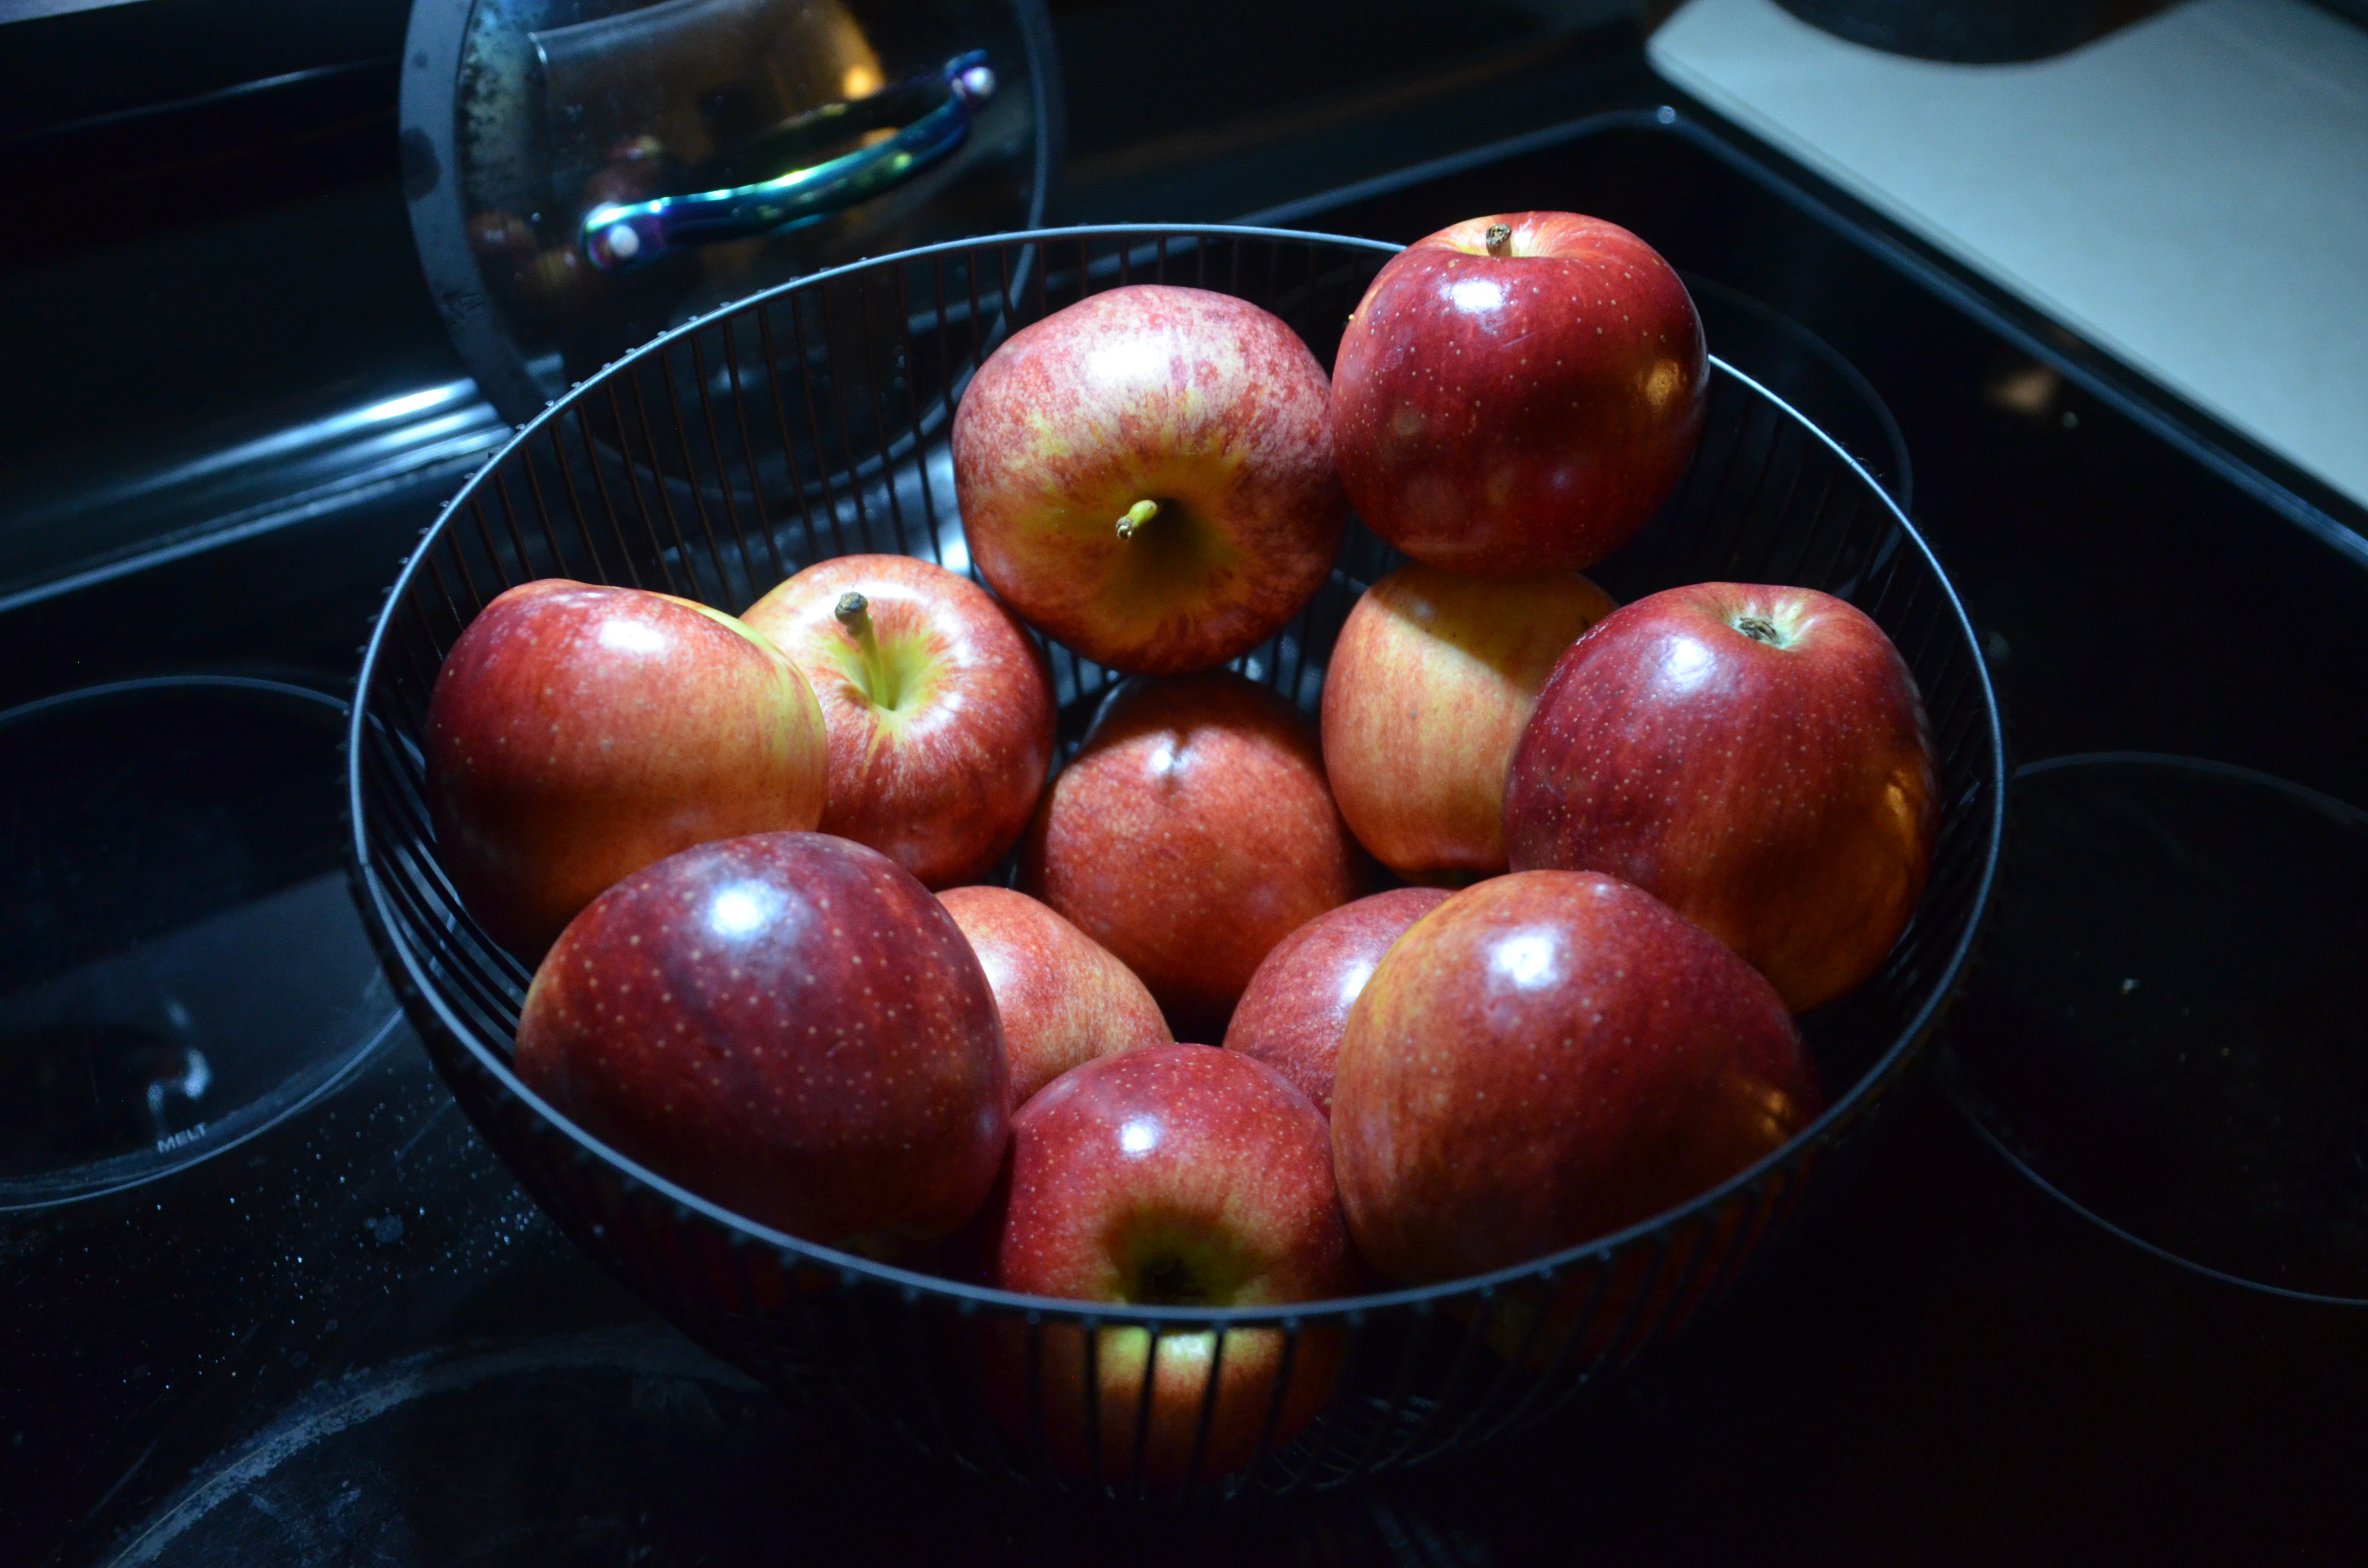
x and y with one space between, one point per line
1136 516
1760 629
1500 239
854 612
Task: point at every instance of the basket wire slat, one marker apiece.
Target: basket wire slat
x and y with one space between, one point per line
477 597
914 404
478 542
632 379
1205 1421
880 377
773 377
574 513
1511 1378
485 536
1262 1456
725 488
843 449
1089 1332
1140 1443
1784 563
600 475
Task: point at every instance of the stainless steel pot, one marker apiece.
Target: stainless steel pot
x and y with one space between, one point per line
584 175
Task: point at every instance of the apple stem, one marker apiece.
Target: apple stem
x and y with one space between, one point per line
854 612
1500 239
1760 629
1136 516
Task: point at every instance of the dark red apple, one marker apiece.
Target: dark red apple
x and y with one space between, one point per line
1191 834
938 704
1296 1008
1173 1175
1544 1059
788 1025
1518 394
1756 757
1064 998
1146 476
1425 697
577 733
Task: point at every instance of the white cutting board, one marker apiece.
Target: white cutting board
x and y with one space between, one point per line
2190 193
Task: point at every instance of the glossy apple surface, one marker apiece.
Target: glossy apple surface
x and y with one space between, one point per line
576 733
938 705
1519 412
1546 1058
1173 1175
1425 697
1146 476
788 1025
1064 998
1296 1009
1756 757
1192 833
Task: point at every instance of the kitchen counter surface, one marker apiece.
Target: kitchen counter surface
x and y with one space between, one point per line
2188 193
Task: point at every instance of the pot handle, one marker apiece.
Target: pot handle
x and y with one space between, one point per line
617 235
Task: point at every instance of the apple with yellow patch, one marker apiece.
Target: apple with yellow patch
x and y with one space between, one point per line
579 732
1146 476
938 705
1425 697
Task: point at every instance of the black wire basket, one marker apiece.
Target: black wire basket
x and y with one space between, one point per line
812 421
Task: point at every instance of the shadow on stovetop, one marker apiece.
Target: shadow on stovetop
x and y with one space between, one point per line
1952 1368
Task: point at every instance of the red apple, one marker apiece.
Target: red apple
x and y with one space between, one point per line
938 704
1191 834
1424 699
1064 998
1756 757
1146 476
1518 400
1296 1008
1547 1058
1173 1175
577 733
787 1024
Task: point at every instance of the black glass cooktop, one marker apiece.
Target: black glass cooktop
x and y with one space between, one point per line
2091 1295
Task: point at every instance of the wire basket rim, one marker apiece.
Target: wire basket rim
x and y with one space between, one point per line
414 983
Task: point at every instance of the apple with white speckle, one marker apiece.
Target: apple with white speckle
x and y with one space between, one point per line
1064 998
788 1025
1518 394
1172 1175
1146 476
1546 1058
938 704
1192 832
1755 756
578 733
1296 1008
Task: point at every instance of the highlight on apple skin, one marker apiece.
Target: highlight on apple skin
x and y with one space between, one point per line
1146 476
1296 1009
1544 1060
578 733
788 1025
937 705
1757 758
1169 1176
1518 394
